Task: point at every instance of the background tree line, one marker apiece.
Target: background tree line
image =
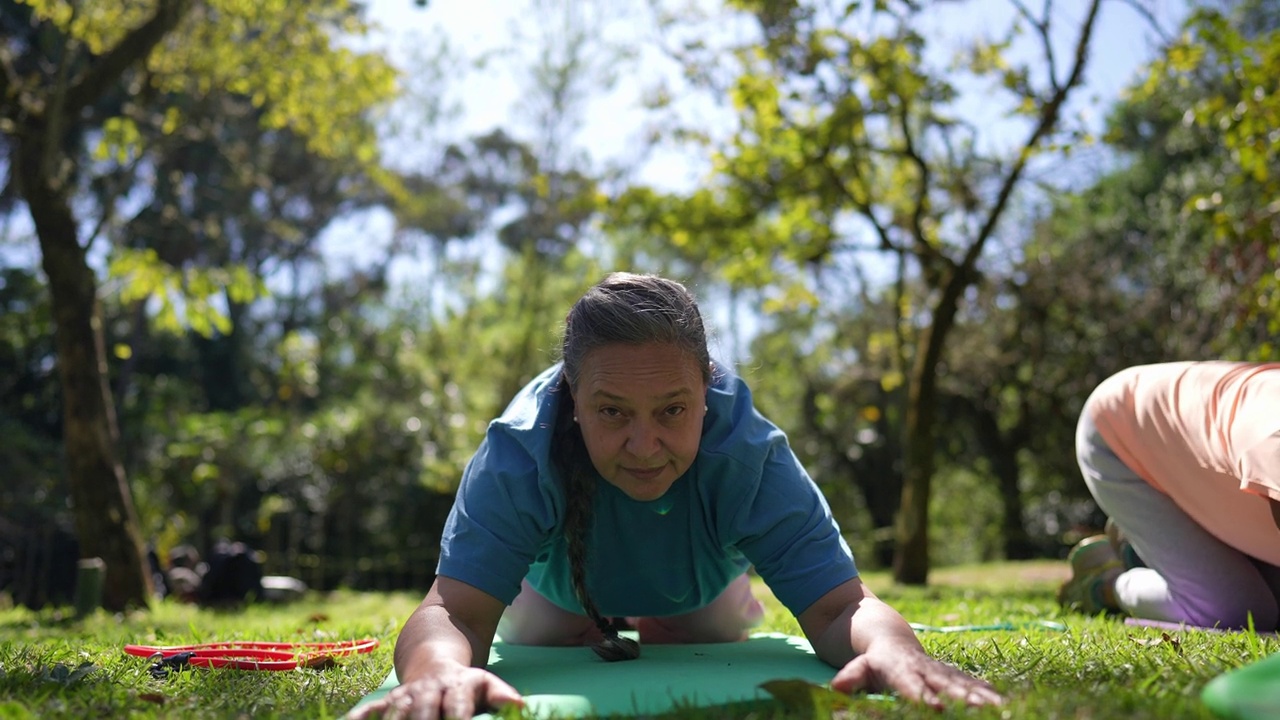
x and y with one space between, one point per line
930 299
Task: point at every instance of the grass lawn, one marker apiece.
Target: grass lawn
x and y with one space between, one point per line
54 667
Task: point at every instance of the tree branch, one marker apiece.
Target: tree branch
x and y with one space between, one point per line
924 250
1147 15
855 248
137 45
886 243
111 192
1048 119
837 181
1042 28
57 103
9 82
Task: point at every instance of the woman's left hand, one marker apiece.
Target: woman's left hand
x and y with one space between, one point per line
915 676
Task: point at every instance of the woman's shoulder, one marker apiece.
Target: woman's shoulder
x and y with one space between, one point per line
528 420
733 427
533 407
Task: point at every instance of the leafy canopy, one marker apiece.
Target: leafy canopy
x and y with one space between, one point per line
287 56
293 61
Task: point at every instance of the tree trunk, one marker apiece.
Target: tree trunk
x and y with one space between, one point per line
45 106
106 524
911 560
1002 453
911 564
223 379
1013 531
874 473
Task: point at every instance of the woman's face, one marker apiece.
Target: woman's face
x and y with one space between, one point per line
640 408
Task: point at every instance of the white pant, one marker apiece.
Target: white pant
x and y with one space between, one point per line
1191 576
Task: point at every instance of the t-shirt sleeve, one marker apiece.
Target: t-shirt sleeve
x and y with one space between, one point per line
785 528
1260 468
501 516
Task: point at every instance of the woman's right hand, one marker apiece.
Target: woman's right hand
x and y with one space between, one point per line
453 691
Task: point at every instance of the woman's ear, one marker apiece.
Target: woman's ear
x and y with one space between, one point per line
573 402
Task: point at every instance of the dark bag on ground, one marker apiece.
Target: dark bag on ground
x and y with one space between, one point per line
234 575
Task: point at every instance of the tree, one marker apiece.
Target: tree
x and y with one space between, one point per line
1229 62
77 73
849 141
1143 265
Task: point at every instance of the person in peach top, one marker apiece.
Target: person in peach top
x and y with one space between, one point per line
1184 458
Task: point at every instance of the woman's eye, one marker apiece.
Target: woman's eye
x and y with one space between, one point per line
675 410
610 412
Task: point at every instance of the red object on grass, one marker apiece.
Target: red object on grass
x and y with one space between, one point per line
256 654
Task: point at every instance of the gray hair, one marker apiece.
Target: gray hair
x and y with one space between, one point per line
626 308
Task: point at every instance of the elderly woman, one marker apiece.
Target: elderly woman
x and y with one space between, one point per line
635 482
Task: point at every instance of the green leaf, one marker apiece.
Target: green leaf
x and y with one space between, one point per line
809 699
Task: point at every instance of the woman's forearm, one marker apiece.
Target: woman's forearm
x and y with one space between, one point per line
869 621
454 625
431 638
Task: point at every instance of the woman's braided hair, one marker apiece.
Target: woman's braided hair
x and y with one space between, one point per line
627 309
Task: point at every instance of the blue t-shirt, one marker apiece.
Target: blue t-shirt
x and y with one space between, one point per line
745 500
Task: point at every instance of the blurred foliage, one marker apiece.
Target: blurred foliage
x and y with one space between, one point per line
30 403
323 412
1228 64
281 55
91 99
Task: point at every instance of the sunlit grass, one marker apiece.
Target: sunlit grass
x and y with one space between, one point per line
34 645
55 667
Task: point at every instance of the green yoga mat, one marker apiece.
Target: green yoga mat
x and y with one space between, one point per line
572 682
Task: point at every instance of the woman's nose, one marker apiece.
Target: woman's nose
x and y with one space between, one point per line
642 441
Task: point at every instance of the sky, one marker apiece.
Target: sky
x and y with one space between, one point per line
613 125
490 97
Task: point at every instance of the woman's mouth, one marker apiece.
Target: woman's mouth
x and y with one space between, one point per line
644 473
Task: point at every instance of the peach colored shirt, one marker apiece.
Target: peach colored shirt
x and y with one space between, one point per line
1207 434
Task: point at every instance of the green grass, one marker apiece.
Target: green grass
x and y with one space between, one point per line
55 667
